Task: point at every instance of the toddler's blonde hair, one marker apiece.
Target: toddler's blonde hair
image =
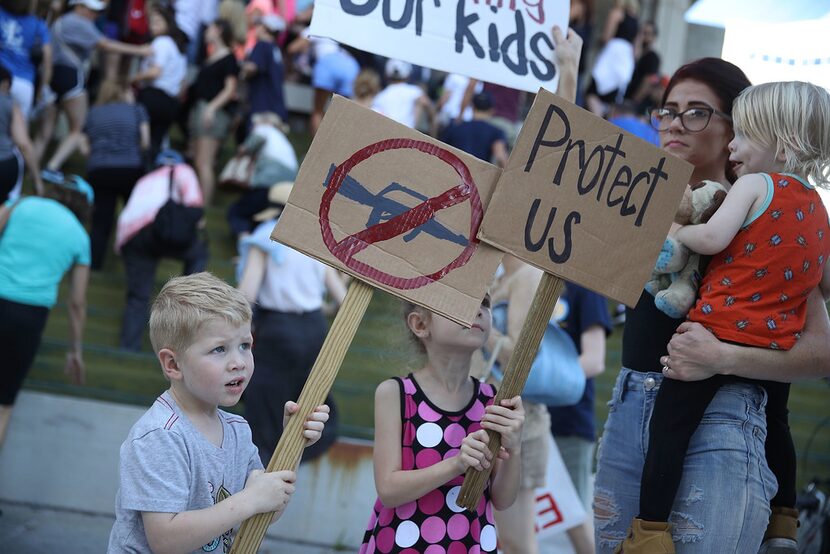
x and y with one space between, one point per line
186 303
794 118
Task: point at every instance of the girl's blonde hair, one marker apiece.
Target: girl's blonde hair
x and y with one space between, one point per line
186 303
366 84
794 118
111 90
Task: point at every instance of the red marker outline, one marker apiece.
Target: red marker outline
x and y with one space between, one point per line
346 249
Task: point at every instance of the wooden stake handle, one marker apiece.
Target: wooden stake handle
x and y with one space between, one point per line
515 375
291 444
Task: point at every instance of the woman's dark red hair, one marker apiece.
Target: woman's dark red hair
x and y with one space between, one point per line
726 80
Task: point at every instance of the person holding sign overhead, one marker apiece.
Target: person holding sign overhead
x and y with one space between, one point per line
726 510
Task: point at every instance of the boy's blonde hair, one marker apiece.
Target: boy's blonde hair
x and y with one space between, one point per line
794 118
186 303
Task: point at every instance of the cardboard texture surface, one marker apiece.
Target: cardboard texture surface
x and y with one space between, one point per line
584 200
507 43
394 208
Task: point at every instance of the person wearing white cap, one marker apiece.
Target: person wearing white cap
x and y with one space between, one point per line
400 100
74 38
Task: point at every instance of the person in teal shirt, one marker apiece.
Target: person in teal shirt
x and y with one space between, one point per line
41 239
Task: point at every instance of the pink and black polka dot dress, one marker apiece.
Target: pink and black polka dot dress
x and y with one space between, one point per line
434 524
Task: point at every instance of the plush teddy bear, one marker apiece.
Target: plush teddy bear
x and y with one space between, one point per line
676 275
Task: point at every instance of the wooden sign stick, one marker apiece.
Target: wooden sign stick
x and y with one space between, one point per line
290 447
515 375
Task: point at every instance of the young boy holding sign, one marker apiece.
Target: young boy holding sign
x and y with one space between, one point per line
189 473
770 244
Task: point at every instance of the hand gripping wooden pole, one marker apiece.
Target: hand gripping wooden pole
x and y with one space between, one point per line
290 448
515 375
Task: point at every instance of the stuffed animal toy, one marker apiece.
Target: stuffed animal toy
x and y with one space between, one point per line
676 275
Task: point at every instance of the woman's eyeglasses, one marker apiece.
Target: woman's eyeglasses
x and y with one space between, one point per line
692 119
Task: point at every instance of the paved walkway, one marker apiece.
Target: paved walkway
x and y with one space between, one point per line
30 530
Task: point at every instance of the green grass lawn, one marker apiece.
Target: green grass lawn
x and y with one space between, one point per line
380 349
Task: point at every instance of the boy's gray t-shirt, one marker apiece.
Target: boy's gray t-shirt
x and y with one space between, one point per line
77 34
168 466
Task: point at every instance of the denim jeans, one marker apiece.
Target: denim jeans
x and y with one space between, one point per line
722 504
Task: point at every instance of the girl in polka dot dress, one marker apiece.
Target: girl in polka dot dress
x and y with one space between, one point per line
421 456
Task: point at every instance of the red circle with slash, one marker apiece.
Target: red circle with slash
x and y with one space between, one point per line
346 249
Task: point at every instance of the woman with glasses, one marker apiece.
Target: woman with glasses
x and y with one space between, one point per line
722 503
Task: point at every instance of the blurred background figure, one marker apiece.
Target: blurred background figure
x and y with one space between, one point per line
75 37
15 146
42 239
334 71
140 247
25 51
209 121
287 289
583 315
404 102
366 87
162 74
615 63
581 20
646 70
116 139
479 136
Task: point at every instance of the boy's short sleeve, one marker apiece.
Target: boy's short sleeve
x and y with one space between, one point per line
155 473
254 461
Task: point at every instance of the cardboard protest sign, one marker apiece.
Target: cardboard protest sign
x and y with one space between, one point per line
507 42
394 208
584 200
557 507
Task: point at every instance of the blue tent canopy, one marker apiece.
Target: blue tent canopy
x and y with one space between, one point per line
716 13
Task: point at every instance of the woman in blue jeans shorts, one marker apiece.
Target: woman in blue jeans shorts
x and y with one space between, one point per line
722 504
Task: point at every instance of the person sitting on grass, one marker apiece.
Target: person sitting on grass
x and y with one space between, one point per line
189 473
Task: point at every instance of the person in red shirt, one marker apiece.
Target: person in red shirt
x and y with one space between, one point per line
769 241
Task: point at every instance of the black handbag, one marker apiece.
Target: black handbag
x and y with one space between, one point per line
175 223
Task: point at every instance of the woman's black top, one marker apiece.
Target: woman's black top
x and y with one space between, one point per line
211 79
646 335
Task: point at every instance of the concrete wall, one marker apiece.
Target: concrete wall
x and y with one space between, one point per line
62 452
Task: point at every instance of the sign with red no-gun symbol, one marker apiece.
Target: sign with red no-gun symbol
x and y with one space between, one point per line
401 213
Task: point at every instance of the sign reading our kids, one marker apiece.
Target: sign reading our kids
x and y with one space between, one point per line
507 42
584 200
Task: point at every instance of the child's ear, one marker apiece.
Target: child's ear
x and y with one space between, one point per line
169 367
417 322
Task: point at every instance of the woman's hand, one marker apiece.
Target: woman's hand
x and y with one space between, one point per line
693 353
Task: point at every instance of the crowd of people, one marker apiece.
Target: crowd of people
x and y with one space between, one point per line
198 74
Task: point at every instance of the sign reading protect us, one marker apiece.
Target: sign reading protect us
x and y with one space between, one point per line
394 208
584 200
507 42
